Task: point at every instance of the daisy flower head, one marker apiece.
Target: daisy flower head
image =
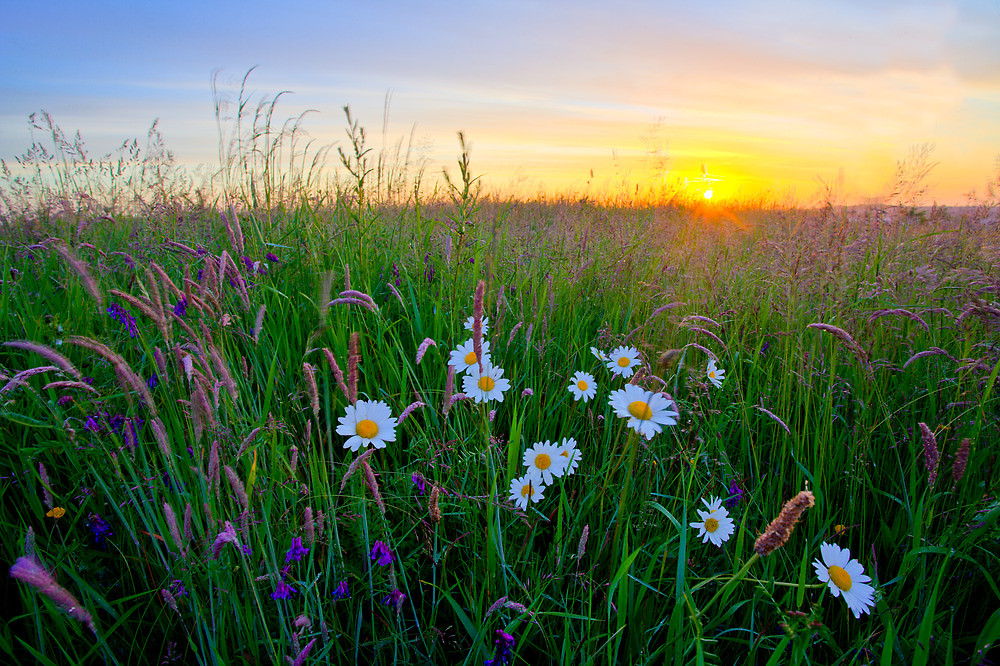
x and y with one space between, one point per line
464 357
367 423
568 450
846 577
715 374
601 356
647 412
486 385
716 525
622 361
471 320
526 488
583 386
544 461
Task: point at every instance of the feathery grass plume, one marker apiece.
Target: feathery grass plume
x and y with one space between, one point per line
581 547
122 369
409 408
300 659
160 435
422 349
222 368
320 522
668 358
510 338
777 533
498 604
477 323
308 526
372 484
708 333
395 293
145 307
337 374
29 571
310 372
182 247
155 298
347 277
354 465
449 387
227 535
360 295
433 504
49 354
183 324
900 312
247 441
353 360
932 351
81 269
46 486
187 523
230 234
161 365
165 280
354 301
174 530
932 456
213 468
294 463
774 417
451 403
686 321
846 338
238 229
24 375
961 460
237 485
220 272
527 334
259 322
238 280
705 350
169 600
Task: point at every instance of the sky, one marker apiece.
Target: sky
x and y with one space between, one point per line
781 99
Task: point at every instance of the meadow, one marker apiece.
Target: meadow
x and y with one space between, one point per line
195 467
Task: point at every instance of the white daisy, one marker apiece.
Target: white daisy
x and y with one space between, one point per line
846 577
464 357
583 386
471 320
623 361
526 488
367 423
601 356
543 460
716 525
568 450
485 386
715 375
647 412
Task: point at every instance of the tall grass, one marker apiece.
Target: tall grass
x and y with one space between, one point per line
180 496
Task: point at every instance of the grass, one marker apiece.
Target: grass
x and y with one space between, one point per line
234 441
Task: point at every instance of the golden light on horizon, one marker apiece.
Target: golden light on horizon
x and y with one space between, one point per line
708 194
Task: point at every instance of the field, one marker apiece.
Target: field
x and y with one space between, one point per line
180 384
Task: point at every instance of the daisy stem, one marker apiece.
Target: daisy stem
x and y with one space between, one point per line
732 581
626 486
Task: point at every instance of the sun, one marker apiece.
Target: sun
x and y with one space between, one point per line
708 194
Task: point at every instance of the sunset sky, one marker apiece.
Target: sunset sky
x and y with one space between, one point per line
772 96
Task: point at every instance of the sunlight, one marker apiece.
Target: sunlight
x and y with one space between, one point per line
708 194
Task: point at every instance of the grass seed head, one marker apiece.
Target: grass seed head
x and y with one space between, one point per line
777 533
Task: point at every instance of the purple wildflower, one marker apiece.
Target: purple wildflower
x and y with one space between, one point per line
153 380
120 314
419 480
272 257
64 400
283 591
735 495
248 262
296 552
181 308
394 599
381 551
342 592
101 529
92 424
504 644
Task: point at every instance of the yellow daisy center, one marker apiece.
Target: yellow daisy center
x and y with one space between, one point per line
711 524
640 410
470 358
486 383
711 373
527 490
840 578
367 428
624 362
543 461
582 385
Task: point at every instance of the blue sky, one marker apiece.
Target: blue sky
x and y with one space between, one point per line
771 95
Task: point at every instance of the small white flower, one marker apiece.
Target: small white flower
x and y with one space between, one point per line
471 320
526 488
601 356
583 386
367 423
715 375
647 412
486 385
464 357
623 361
846 577
716 525
543 460
568 450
